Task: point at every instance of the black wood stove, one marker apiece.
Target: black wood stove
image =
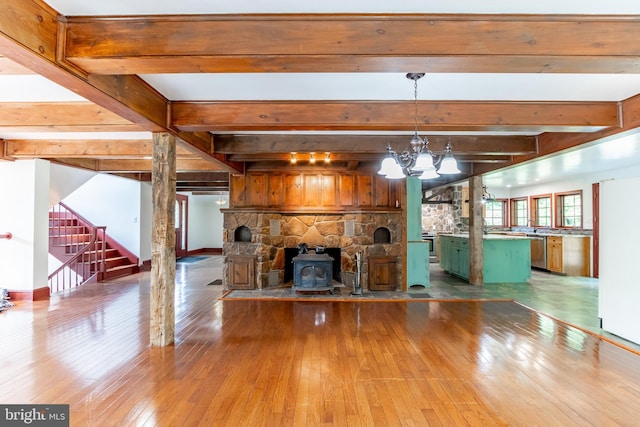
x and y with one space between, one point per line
313 272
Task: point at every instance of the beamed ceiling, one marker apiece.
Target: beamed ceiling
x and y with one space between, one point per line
243 91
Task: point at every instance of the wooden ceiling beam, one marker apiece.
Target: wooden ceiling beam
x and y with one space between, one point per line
434 116
350 143
10 68
133 165
32 34
79 148
349 157
61 116
354 43
213 178
554 143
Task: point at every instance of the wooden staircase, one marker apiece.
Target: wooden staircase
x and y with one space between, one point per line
86 251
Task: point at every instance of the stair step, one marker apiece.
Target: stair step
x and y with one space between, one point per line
122 270
108 253
68 235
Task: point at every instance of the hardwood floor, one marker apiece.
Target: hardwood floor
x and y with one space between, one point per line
287 363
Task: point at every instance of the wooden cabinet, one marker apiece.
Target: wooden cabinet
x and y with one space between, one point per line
382 273
570 255
466 203
554 254
241 271
314 190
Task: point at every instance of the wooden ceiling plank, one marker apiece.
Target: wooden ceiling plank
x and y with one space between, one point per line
365 63
237 42
392 115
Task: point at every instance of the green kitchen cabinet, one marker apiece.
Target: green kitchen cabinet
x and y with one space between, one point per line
506 259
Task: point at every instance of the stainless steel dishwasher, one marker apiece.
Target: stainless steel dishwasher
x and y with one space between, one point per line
538 251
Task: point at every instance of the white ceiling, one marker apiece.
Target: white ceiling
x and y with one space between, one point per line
132 7
371 86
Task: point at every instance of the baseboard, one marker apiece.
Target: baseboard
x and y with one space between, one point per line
146 265
214 251
39 294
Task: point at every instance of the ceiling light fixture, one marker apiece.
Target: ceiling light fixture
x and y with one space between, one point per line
418 160
221 201
327 157
486 196
312 158
293 160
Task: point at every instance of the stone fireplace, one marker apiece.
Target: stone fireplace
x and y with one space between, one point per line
276 236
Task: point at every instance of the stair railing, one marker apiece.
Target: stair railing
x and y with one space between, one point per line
81 239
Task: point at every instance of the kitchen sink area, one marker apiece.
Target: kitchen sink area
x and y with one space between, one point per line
556 251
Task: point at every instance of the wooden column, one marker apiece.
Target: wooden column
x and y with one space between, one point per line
476 255
163 240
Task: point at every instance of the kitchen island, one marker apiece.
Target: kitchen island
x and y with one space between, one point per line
507 259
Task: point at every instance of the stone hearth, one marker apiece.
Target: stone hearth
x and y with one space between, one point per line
326 230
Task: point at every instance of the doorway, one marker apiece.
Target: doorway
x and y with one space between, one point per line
181 224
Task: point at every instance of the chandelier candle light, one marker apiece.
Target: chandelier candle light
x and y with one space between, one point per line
418 161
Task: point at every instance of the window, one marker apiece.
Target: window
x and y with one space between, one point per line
519 212
495 212
541 210
569 209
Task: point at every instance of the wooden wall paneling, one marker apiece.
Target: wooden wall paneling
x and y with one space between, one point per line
257 189
381 191
292 190
346 190
275 190
312 191
329 191
364 189
238 191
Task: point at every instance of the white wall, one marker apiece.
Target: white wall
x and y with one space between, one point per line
146 214
619 254
65 180
114 202
24 213
580 182
205 222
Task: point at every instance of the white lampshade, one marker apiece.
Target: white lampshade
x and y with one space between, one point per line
387 166
430 174
424 162
448 165
395 172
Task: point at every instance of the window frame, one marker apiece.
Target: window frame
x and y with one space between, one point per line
533 210
505 217
559 209
513 210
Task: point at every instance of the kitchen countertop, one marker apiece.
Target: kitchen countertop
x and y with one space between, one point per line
491 236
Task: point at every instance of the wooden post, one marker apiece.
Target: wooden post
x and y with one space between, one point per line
163 240
476 225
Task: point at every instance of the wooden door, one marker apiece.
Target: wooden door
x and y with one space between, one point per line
181 220
241 272
554 254
382 273
596 228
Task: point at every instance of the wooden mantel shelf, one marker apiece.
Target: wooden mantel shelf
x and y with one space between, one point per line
314 210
